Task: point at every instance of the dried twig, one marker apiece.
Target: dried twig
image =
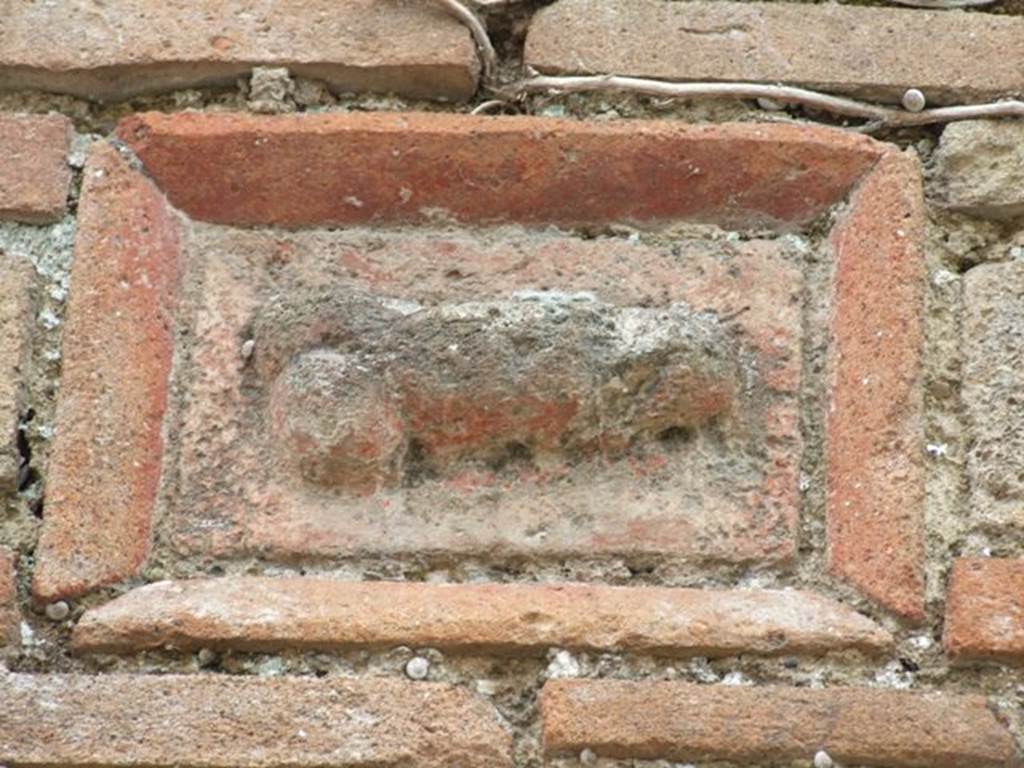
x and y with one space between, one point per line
839 105
944 4
488 57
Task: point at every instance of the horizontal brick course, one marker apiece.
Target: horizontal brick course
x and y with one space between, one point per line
253 613
124 48
105 465
985 610
875 420
34 172
244 722
875 53
855 726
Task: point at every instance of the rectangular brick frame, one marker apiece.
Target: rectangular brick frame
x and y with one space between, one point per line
298 171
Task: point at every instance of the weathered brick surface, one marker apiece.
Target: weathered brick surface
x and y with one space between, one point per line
992 380
244 722
979 168
875 422
15 327
127 47
855 726
34 173
359 168
254 613
105 464
10 617
875 53
722 492
985 610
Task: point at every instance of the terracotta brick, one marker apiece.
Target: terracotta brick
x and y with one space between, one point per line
875 423
105 465
993 322
15 326
985 610
254 613
129 47
855 726
875 53
10 616
243 722
359 168
34 174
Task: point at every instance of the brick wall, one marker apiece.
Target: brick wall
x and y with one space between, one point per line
359 409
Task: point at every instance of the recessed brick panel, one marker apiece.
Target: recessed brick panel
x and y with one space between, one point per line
117 347
276 614
875 53
239 722
555 392
875 421
985 610
34 174
123 48
553 396
854 726
15 327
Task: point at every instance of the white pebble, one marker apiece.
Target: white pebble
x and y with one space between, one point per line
247 348
58 611
770 105
587 757
417 668
822 760
913 100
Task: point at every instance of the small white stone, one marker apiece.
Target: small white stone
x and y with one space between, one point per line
587 757
770 105
822 760
563 665
248 348
206 657
58 611
417 668
913 100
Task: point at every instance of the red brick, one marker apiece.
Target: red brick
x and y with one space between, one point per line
985 610
128 47
238 491
243 722
15 326
875 53
359 168
105 465
34 174
271 614
855 726
10 616
875 423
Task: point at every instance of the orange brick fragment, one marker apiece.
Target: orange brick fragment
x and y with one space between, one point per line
985 610
242 722
34 172
254 613
875 422
105 466
855 726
